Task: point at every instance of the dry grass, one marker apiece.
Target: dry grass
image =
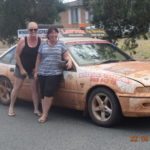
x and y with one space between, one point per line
3 46
142 51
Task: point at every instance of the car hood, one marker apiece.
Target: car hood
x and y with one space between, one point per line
136 70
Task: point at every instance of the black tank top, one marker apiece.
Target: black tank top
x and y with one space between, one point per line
28 56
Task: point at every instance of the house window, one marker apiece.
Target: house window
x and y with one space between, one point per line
74 15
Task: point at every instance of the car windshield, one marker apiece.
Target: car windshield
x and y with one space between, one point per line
97 53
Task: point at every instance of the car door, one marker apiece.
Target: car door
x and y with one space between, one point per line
69 95
8 64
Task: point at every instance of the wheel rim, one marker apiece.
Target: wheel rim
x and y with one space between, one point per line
101 107
5 90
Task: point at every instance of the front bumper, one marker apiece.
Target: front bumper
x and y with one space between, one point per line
135 106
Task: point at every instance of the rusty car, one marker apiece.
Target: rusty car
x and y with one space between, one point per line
104 81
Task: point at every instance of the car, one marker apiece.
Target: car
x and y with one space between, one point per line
90 27
96 31
104 81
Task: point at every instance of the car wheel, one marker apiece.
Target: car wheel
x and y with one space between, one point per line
5 90
103 107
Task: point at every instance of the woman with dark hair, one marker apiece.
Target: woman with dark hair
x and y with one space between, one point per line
48 70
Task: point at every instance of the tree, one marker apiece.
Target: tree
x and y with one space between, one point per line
15 14
117 14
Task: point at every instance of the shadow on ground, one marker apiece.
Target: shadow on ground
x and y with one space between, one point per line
69 114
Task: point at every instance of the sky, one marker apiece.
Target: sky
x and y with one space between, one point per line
65 1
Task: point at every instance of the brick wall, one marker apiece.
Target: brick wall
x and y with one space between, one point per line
64 19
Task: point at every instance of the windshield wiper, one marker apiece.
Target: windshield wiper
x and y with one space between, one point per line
109 61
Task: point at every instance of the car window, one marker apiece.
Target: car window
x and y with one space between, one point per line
96 53
8 58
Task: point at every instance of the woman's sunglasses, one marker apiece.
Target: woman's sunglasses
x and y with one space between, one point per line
31 30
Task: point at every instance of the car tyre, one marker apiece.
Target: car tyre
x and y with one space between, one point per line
5 90
103 107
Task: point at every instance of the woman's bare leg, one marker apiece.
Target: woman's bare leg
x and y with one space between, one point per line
17 85
46 105
35 97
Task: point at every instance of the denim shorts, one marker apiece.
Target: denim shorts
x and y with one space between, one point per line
19 75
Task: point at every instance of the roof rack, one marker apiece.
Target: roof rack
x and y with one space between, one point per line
73 33
64 32
95 32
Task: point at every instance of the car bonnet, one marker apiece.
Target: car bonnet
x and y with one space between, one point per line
135 70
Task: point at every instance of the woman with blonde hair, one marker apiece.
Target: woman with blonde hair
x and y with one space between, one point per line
26 53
